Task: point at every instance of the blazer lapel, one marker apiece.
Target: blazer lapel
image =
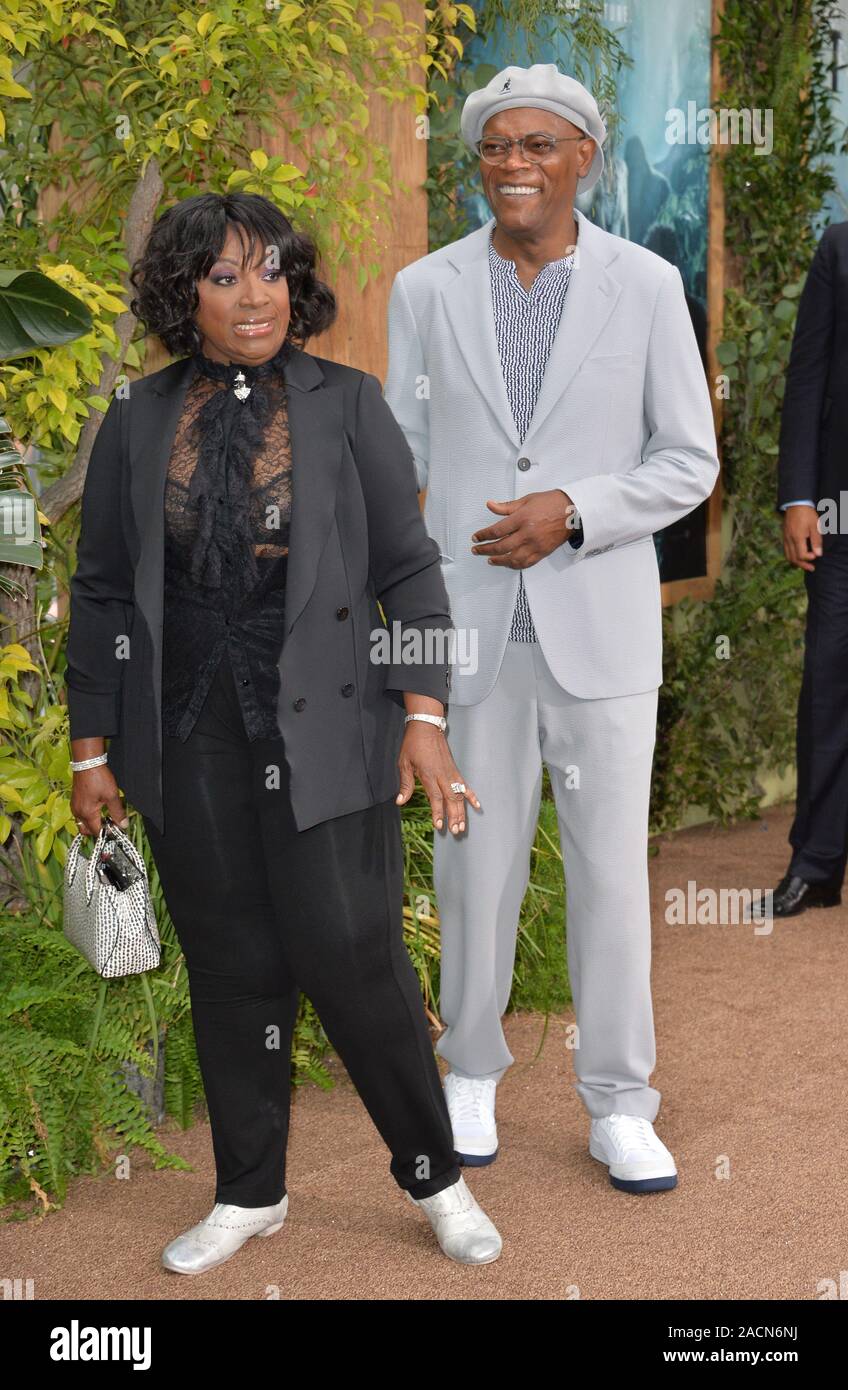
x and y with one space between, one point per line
469 309
316 433
153 424
316 428
589 301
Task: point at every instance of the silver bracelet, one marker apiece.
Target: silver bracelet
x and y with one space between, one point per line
437 719
89 762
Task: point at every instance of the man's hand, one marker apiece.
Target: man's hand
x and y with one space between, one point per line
532 527
802 542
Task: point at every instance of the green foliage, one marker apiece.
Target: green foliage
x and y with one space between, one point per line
48 393
34 772
193 86
63 1039
733 665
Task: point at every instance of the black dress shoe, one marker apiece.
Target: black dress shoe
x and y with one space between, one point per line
793 895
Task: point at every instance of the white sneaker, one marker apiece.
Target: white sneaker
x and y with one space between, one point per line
638 1161
462 1228
471 1103
220 1235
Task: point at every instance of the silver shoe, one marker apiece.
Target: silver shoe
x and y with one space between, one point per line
462 1228
220 1235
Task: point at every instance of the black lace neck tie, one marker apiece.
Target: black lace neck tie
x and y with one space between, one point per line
229 431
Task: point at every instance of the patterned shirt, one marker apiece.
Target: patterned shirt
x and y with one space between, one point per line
526 323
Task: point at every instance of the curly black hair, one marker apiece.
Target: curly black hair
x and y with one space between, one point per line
187 239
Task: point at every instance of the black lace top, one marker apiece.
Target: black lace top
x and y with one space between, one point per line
227 518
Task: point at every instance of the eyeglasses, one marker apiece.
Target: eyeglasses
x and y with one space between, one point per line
535 148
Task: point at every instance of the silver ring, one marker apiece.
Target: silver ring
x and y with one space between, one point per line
457 786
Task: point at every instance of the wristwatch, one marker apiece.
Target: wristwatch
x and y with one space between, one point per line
437 719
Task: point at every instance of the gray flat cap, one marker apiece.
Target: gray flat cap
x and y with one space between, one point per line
541 85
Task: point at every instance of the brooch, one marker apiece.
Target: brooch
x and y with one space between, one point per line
241 388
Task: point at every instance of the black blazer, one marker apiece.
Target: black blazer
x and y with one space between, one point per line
356 535
813 461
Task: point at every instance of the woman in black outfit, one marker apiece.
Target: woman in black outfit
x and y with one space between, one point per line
280 854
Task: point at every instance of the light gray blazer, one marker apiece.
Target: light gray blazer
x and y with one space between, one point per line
623 422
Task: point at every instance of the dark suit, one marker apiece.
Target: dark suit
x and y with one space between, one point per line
813 462
357 535
813 466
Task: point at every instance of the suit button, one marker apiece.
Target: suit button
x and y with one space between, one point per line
347 689
524 464
299 703
220 499
341 613
245 682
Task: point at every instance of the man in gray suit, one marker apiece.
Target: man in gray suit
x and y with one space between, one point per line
546 371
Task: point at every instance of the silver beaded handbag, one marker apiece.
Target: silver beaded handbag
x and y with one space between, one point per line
113 927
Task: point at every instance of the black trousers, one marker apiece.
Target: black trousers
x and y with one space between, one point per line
263 911
819 835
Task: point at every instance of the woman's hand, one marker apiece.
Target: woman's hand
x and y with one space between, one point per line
425 752
91 789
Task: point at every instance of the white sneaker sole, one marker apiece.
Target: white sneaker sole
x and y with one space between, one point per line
651 1176
476 1153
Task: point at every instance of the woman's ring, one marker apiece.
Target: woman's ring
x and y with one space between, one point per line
457 786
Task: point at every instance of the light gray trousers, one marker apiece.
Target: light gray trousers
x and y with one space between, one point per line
599 755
